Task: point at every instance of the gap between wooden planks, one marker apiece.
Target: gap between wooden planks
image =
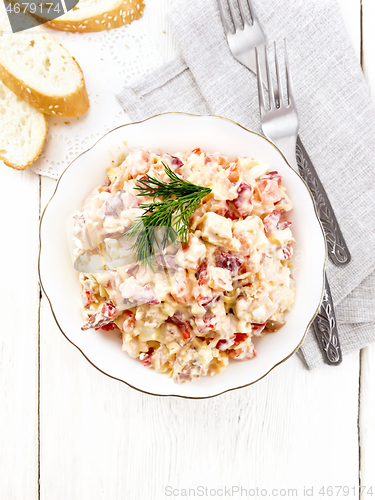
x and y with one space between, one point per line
366 420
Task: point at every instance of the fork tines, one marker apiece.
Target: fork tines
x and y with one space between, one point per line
276 95
232 14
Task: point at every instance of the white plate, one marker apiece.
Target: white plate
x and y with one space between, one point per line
173 132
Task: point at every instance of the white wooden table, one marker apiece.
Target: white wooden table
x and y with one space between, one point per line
67 432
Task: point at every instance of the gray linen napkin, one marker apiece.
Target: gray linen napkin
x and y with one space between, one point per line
337 124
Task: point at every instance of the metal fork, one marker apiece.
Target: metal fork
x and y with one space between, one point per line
243 36
279 118
279 122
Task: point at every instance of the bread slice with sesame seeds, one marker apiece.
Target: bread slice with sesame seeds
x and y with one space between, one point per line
99 15
23 130
38 69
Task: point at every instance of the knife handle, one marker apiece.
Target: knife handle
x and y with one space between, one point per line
325 328
338 250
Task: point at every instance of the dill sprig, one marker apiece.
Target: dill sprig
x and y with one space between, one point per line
173 214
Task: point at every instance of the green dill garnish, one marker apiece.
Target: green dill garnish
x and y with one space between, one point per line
173 214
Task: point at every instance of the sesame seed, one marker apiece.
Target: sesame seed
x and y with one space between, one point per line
56 106
29 91
53 112
50 107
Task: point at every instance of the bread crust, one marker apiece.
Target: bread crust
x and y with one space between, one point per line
71 105
30 162
124 13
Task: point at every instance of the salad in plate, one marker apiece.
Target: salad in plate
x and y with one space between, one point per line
187 257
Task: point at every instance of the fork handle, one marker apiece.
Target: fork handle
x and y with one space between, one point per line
325 329
338 250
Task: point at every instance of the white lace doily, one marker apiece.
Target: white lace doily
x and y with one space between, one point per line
109 61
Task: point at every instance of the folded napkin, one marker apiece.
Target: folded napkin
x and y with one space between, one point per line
337 124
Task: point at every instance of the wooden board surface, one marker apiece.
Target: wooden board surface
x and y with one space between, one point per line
19 202
100 439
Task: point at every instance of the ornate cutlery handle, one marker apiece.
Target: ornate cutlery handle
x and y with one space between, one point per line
338 251
326 329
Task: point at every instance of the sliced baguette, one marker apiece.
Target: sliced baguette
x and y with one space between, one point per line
99 15
43 73
23 130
